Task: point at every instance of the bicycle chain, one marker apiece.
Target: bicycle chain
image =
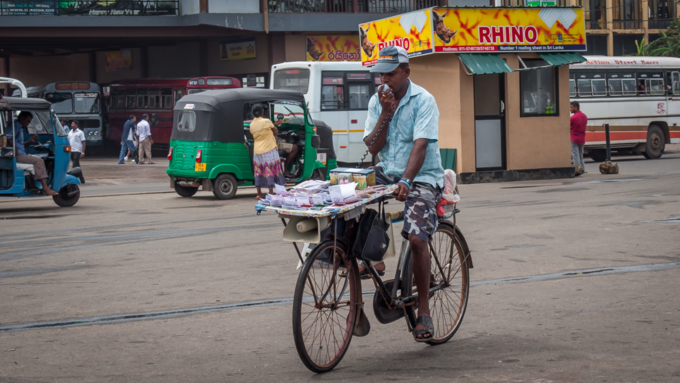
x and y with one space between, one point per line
386 122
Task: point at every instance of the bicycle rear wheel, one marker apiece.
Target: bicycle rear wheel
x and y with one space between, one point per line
447 264
325 307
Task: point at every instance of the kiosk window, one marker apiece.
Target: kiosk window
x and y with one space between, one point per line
358 97
187 121
537 90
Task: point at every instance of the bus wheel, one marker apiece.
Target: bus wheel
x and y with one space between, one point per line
225 186
185 191
656 143
598 155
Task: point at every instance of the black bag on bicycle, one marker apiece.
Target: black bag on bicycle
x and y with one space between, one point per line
372 240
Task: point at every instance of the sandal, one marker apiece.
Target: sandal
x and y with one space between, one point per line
364 273
429 328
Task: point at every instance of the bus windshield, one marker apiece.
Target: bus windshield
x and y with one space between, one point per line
292 79
87 103
61 102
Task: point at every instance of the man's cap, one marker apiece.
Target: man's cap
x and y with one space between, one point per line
389 59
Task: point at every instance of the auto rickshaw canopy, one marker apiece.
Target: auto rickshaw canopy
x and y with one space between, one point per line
16 103
220 113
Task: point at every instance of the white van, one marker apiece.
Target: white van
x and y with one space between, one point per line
338 94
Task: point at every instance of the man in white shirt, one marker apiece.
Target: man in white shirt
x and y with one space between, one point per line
145 141
76 139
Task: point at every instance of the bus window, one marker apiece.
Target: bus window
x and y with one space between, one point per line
61 102
142 101
585 89
358 96
131 97
194 91
599 87
178 95
166 98
572 88
87 103
675 76
628 85
154 98
121 101
615 87
292 79
655 87
332 97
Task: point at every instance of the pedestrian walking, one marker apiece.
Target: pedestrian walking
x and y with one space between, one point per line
76 139
145 140
578 124
125 143
266 162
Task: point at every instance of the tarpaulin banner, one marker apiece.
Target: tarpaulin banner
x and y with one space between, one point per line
333 48
412 31
508 29
27 8
118 60
243 49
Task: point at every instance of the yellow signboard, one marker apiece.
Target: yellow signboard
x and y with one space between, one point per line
333 48
118 60
243 49
412 31
508 29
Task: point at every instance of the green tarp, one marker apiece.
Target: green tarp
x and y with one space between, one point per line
484 63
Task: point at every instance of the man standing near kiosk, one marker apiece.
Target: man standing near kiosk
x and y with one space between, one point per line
403 127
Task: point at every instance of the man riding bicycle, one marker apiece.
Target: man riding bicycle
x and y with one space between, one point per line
403 128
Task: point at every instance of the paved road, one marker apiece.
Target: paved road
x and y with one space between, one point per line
574 280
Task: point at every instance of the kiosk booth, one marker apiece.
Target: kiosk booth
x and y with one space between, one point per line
500 77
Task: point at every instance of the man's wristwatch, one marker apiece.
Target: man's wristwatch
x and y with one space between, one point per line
406 181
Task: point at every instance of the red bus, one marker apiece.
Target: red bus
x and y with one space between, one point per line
155 97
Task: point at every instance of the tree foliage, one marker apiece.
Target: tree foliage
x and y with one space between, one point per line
667 45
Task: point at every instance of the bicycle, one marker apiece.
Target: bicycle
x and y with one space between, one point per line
328 307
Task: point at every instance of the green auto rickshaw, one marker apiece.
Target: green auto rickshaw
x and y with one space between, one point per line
211 146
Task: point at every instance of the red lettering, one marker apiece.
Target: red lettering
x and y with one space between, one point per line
496 33
517 34
530 34
407 44
484 35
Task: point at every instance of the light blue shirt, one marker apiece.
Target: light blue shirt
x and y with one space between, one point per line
416 117
18 142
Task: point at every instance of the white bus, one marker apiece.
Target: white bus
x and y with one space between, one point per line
338 94
639 97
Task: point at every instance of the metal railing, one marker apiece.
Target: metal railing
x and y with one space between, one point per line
89 8
349 6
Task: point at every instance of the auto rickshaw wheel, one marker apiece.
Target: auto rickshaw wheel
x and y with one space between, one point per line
68 196
185 191
225 186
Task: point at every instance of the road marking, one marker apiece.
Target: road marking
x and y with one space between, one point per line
119 318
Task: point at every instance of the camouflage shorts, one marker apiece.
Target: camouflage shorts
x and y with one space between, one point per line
420 208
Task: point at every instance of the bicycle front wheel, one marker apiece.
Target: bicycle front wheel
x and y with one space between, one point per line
447 265
325 307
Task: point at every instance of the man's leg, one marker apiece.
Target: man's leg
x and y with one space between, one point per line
421 271
290 158
75 158
145 150
123 150
40 171
420 223
580 156
574 154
